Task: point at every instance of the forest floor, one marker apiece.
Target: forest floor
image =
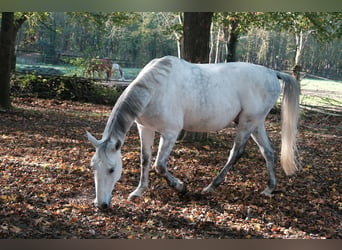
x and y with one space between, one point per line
47 188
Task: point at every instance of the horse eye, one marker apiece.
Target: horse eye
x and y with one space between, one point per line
111 170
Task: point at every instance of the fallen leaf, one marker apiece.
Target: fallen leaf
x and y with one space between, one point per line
15 229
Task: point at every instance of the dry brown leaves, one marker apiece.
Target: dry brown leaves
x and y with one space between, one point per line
47 187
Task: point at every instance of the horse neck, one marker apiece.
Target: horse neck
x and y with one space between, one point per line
128 107
118 124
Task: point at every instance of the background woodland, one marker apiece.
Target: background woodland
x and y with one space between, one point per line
276 40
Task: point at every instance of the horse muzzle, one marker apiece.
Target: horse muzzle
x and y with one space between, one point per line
101 205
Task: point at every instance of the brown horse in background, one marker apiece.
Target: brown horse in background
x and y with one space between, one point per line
100 66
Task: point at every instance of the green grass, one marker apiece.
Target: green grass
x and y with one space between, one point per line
131 73
321 93
69 70
320 101
324 85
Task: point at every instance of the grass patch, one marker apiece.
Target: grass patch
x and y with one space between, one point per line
323 85
68 70
320 101
321 95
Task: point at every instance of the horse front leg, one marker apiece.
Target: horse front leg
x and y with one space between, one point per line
146 141
109 74
166 144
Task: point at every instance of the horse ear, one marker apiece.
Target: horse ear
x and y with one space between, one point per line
92 139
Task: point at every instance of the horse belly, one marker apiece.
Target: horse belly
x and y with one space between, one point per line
210 120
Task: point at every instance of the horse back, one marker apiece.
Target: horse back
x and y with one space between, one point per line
204 97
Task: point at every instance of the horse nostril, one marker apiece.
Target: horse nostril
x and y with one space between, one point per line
104 205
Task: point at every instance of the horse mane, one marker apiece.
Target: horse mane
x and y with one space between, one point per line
129 105
156 71
136 97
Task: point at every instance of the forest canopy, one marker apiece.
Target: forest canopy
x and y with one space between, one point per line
133 39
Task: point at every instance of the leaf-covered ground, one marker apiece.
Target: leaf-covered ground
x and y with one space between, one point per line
47 187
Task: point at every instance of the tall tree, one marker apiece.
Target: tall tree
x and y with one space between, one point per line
232 24
6 47
233 39
303 25
323 26
196 33
173 25
18 22
10 24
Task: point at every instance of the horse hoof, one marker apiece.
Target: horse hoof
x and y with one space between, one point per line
267 192
181 188
209 189
133 197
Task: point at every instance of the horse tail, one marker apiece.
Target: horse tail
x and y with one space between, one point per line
290 115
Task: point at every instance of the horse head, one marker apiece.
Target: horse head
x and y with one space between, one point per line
107 167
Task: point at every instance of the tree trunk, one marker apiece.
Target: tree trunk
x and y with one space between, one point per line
180 46
232 41
180 38
212 39
6 47
299 48
217 54
301 39
196 33
17 25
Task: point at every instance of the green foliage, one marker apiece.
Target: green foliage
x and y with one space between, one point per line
100 22
133 38
26 82
79 63
33 19
63 88
324 26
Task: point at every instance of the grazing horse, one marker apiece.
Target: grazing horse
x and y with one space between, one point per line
103 65
116 68
171 94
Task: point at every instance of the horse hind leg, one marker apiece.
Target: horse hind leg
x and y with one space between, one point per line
266 148
236 152
166 144
108 75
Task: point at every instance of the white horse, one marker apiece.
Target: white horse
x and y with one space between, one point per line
116 68
103 65
171 94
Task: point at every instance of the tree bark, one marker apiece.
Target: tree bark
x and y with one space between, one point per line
217 45
301 39
17 25
196 33
232 41
6 47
